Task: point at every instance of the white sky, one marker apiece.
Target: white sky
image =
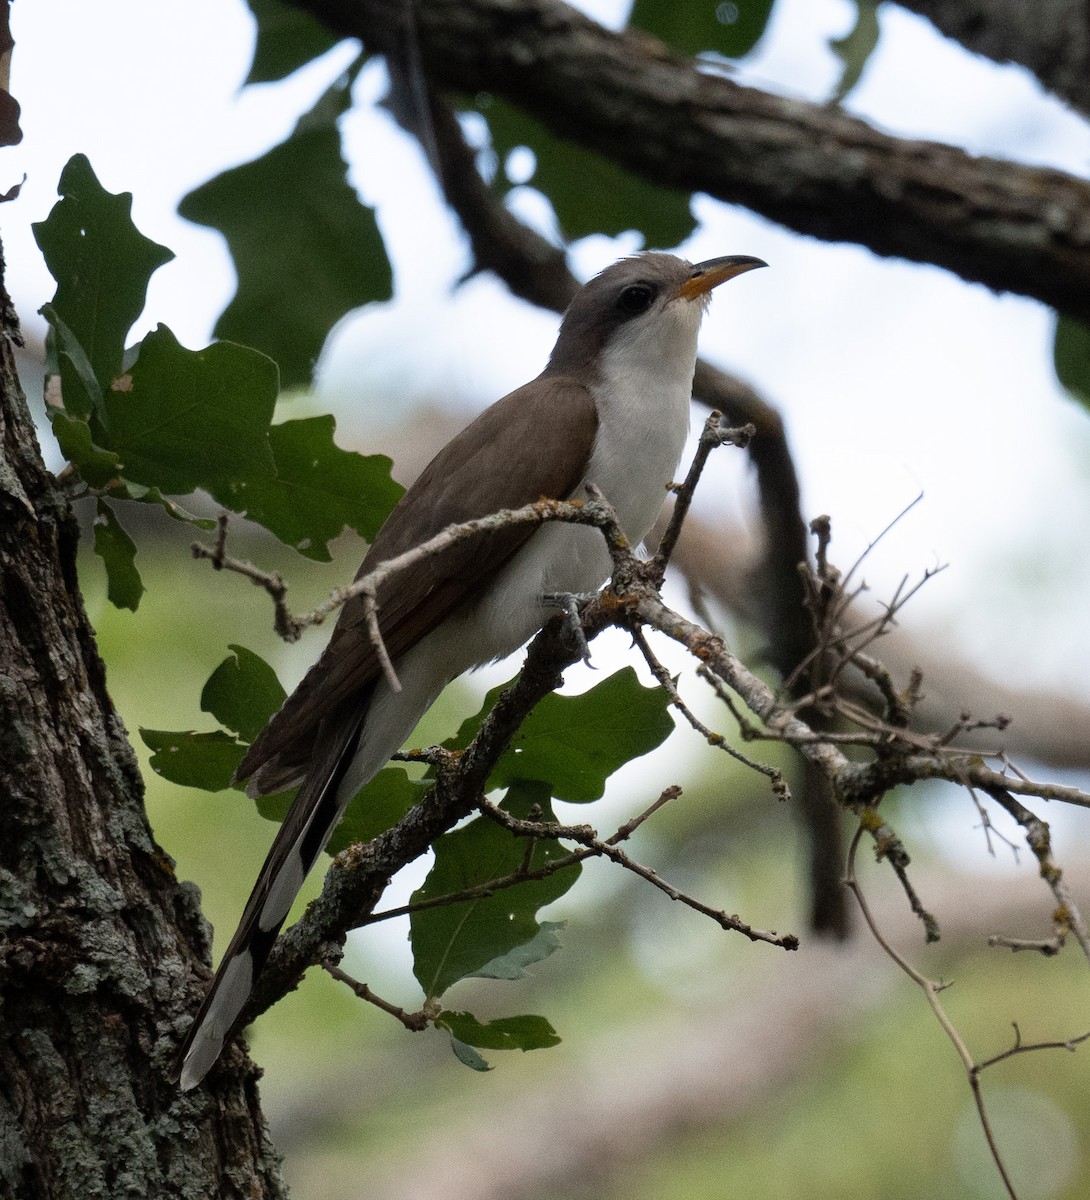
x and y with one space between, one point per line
893 378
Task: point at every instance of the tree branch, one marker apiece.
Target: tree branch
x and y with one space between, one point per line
810 167
697 1071
1049 37
359 875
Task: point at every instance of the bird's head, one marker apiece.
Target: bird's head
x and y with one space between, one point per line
651 302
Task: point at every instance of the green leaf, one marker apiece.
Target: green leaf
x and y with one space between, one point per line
318 489
122 489
576 742
467 1055
455 940
124 587
513 964
201 760
287 39
589 193
183 419
855 47
505 1033
305 249
375 808
97 467
729 27
242 693
275 807
81 392
101 263
186 419
1071 357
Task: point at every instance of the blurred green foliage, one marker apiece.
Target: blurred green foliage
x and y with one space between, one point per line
305 249
728 27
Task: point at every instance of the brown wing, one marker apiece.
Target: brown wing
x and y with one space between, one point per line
534 442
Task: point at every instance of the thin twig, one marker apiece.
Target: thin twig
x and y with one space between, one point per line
779 784
899 705
1020 1047
286 626
888 846
878 538
1049 947
712 436
592 846
416 1022
1067 916
931 990
595 511
988 826
370 612
608 849
630 826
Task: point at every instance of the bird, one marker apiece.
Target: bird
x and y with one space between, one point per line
611 408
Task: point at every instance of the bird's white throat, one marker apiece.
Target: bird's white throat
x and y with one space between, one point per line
643 398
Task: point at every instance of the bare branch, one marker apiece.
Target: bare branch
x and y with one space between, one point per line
1051 38
586 836
1019 1047
711 436
888 846
286 626
596 511
593 846
855 783
415 1022
779 784
931 990
1067 916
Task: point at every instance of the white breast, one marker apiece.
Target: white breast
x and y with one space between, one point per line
643 414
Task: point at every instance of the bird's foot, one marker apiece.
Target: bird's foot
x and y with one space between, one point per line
569 604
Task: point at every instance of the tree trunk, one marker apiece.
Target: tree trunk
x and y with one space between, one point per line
101 949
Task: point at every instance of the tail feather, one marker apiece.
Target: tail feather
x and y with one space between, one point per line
306 830
350 747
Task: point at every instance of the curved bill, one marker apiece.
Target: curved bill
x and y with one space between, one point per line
714 271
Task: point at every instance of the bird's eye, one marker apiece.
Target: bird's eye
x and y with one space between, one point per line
636 299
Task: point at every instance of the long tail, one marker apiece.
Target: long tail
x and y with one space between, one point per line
308 826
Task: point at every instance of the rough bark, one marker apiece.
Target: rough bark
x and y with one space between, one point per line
811 167
1051 38
101 948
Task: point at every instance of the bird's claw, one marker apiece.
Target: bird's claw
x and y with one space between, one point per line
569 603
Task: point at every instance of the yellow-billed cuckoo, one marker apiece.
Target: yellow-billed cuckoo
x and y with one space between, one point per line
610 408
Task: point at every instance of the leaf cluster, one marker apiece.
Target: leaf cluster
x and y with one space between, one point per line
461 926
154 421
